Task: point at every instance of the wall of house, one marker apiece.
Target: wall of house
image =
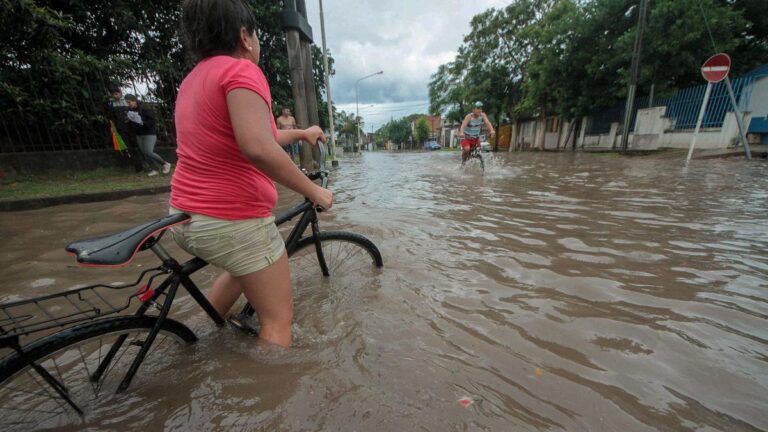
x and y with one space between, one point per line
654 132
758 102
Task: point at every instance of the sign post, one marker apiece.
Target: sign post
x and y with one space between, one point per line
739 120
698 122
714 70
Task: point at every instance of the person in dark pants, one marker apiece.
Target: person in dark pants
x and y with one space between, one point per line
142 121
115 110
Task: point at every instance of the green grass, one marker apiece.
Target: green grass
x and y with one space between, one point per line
71 183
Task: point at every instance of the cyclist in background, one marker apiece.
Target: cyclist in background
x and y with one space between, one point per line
469 132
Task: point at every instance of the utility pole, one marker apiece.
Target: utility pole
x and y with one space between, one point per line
633 75
357 106
298 37
331 122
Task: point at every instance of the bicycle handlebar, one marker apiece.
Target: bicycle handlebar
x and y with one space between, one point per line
322 173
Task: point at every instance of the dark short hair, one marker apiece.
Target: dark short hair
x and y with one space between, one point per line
212 27
130 97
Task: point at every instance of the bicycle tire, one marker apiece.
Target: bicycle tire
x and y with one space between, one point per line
347 254
347 236
305 275
44 351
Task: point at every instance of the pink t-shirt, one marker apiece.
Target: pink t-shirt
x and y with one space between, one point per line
212 176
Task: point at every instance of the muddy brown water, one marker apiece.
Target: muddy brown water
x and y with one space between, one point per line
557 292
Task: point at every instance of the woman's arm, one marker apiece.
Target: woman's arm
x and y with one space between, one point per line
250 117
288 136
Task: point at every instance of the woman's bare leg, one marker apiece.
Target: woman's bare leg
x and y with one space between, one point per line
269 292
226 290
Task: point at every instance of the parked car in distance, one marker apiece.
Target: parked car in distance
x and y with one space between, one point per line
432 145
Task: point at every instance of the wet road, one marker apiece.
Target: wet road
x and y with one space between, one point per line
557 292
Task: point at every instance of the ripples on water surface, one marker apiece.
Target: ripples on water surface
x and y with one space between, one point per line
559 292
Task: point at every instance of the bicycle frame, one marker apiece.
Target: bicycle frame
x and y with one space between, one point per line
180 276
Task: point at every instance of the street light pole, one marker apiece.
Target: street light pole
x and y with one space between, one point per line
357 106
335 162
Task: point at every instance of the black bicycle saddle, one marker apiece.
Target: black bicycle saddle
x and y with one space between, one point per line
119 249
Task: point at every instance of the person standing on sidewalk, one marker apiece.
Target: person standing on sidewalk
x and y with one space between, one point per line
115 110
287 122
143 123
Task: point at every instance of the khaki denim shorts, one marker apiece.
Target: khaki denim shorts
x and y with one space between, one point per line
237 246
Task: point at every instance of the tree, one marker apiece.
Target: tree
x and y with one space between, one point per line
491 64
585 51
397 131
346 127
570 57
423 131
752 50
58 58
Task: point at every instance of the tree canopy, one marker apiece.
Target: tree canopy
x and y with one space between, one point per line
57 59
422 130
569 57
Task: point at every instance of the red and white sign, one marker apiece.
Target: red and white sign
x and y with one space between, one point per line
716 68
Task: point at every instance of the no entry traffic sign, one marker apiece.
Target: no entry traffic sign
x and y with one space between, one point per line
716 68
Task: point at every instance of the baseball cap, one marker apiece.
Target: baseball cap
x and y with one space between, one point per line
478 104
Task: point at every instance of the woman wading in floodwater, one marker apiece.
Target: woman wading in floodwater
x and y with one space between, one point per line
229 153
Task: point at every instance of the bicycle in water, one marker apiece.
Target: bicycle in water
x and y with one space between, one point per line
89 348
469 132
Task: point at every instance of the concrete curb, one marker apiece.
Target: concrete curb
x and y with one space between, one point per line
37 203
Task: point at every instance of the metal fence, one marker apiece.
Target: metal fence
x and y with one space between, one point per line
42 114
682 107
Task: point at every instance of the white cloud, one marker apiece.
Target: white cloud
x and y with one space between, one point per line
406 39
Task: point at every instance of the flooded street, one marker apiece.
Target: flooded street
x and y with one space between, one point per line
557 292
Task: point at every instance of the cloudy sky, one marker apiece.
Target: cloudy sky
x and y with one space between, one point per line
407 39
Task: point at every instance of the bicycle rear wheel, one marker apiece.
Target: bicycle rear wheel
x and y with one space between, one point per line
72 357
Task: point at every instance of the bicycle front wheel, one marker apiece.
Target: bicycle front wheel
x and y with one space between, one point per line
347 256
79 359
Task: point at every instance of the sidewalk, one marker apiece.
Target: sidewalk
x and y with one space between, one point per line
37 191
758 151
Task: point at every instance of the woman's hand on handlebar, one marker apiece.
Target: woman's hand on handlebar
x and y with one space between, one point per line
314 133
321 197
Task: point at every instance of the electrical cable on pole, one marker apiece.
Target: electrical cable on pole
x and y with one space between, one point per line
736 113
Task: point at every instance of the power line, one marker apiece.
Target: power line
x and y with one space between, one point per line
415 104
706 23
384 111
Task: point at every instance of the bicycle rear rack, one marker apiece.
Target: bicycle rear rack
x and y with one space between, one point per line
23 317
